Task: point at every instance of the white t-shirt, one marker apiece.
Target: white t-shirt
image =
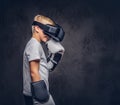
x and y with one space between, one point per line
33 51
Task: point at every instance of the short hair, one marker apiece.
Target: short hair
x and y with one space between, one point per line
43 19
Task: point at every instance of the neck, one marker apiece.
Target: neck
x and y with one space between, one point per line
36 36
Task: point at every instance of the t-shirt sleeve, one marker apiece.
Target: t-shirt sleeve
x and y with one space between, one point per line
33 52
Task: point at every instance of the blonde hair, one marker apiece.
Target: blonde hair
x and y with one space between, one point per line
42 19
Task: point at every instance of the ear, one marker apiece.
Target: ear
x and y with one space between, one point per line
37 29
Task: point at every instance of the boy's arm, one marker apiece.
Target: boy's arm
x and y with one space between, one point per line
56 51
38 86
34 70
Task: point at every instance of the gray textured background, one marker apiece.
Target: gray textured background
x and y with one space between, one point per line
89 72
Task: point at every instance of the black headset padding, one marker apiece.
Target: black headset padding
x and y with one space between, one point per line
58 36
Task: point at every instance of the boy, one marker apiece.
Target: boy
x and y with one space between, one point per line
35 65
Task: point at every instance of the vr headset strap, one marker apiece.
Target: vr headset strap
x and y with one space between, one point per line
42 26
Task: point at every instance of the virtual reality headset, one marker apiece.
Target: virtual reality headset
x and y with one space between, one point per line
56 32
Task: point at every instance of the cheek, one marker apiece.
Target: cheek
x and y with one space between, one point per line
45 36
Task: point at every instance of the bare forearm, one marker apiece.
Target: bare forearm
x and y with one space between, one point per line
34 71
35 76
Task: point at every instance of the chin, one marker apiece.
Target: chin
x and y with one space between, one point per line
45 40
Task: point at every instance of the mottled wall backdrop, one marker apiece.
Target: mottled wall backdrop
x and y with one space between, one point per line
89 72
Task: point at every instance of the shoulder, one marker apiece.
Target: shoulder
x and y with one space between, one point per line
33 43
33 46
